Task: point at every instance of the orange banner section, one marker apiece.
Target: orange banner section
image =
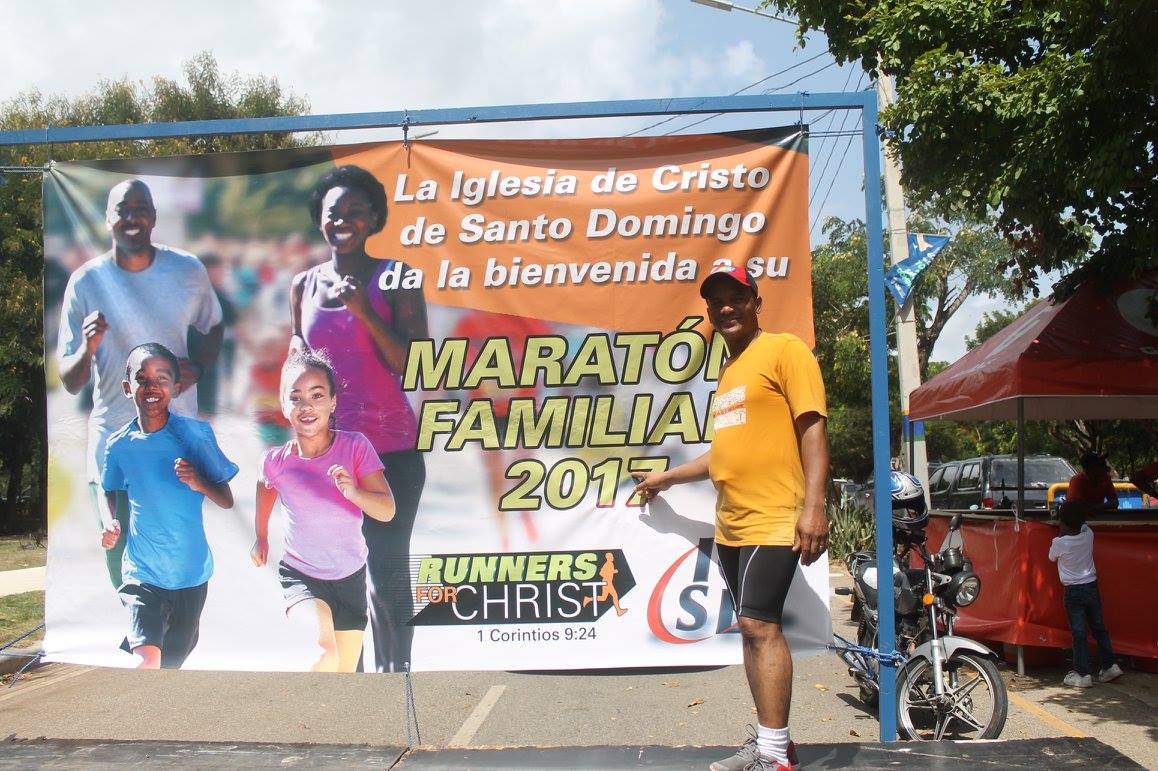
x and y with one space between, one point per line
1021 594
610 233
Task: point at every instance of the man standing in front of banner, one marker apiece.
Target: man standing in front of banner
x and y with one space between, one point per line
135 293
768 462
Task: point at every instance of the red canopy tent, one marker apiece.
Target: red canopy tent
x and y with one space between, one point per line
1092 356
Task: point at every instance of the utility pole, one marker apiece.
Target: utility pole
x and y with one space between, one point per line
913 455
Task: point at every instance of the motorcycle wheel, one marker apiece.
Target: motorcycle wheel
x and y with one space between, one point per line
974 705
868 695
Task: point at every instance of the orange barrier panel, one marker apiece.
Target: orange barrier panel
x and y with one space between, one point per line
1021 595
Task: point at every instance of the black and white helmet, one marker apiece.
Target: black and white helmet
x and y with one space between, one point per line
909 509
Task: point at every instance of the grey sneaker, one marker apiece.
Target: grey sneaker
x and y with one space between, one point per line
763 764
1112 672
743 758
748 759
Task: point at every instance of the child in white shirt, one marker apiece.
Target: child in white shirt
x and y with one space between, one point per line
1073 551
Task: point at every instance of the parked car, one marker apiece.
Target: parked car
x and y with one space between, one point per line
990 482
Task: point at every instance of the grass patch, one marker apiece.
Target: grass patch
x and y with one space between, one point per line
21 551
18 614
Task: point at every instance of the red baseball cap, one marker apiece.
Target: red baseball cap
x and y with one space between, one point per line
737 273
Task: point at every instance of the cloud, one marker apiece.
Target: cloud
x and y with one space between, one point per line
741 61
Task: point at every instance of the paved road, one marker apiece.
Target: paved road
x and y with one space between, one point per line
21 581
471 709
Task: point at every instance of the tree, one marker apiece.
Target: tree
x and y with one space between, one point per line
1042 113
990 323
206 93
963 269
840 312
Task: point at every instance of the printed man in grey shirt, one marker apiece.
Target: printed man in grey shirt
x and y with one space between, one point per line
135 293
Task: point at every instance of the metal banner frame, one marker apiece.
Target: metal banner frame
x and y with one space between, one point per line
865 101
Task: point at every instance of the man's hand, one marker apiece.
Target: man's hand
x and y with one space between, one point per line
260 552
811 536
93 328
344 481
111 534
188 474
650 484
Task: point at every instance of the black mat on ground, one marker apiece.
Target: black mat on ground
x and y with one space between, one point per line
90 754
967 756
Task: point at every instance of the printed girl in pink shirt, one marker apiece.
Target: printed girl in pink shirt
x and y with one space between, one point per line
326 480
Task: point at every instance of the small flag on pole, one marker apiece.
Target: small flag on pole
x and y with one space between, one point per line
922 248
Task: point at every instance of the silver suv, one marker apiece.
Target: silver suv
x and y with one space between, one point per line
990 482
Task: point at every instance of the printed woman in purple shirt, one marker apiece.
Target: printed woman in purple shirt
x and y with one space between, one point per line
325 479
339 307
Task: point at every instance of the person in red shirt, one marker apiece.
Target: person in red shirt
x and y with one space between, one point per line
1145 478
1092 484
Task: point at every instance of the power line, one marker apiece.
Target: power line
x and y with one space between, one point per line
735 93
835 174
831 117
765 91
832 148
784 71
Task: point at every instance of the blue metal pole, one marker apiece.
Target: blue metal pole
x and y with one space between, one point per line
440 117
880 409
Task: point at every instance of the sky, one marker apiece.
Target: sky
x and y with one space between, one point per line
350 56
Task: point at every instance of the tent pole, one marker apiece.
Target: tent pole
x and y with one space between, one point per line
1020 498
1020 457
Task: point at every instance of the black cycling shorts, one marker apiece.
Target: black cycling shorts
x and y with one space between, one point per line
346 597
758 578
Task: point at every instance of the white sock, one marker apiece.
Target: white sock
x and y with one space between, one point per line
772 743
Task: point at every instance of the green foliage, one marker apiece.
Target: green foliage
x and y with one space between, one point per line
840 309
21 613
969 265
990 324
22 551
1041 113
851 528
205 93
965 267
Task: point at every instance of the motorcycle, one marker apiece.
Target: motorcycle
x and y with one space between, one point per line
948 686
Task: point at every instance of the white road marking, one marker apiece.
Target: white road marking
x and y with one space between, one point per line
475 719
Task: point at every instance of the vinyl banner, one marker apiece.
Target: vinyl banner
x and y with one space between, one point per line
511 328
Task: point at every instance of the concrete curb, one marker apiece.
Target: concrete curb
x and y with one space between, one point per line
13 659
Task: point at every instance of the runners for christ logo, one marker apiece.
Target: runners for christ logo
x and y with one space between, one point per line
536 587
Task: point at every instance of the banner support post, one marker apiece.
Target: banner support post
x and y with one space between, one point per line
882 499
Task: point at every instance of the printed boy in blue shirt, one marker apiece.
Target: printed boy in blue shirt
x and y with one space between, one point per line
167 465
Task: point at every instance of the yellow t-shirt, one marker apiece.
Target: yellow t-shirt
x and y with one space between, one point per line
755 457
